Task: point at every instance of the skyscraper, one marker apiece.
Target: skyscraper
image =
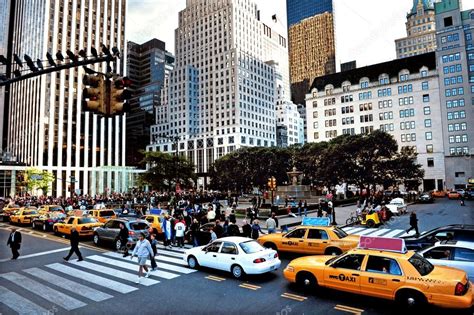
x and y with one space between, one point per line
47 126
222 92
455 59
421 33
146 67
312 46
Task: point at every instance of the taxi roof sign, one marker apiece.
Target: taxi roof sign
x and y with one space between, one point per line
383 243
316 221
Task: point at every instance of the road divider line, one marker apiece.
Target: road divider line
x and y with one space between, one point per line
294 297
250 286
214 278
349 309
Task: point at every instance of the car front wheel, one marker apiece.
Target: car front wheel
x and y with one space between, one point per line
306 280
34 226
118 244
96 239
192 262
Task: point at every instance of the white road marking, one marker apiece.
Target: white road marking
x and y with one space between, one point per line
171 260
394 233
170 253
19 304
114 272
45 292
133 267
66 284
160 265
39 254
169 249
356 230
379 232
349 229
89 277
366 231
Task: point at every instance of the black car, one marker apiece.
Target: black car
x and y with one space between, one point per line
469 194
457 232
426 197
46 221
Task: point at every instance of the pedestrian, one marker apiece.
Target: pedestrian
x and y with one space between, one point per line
305 206
246 229
74 245
218 229
213 235
271 225
462 199
413 223
232 217
153 242
14 241
123 237
226 228
179 228
194 232
233 229
143 251
300 204
166 227
256 229
290 213
276 219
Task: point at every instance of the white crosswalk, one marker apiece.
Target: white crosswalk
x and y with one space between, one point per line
383 232
72 285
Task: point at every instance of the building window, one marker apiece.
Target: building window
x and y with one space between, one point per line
459 174
448 21
426 98
425 86
427 123
315 104
430 162
429 148
428 135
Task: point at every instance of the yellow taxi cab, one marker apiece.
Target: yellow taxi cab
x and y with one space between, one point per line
43 209
103 215
8 210
84 225
314 236
383 268
155 222
453 194
24 215
439 193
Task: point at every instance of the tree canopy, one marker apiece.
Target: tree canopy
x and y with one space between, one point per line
38 179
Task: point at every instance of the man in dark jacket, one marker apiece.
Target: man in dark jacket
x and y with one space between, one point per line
246 229
123 237
219 230
14 241
413 223
74 245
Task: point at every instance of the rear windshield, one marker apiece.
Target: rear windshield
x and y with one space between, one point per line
423 266
87 220
56 209
31 212
251 247
138 226
339 232
107 213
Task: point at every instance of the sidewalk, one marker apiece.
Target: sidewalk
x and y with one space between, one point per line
342 214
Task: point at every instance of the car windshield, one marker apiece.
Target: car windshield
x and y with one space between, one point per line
55 209
107 213
31 212
138 226
87 220
339 232
250 247
422 265
331 260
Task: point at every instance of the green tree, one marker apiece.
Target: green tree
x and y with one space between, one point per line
38 179
405 169
167 170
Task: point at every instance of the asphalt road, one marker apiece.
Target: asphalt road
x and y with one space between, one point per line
202 292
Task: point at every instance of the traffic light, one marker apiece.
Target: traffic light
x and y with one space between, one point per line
272 183
93 95
119 94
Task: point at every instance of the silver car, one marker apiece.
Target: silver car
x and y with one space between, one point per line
456 254
110 230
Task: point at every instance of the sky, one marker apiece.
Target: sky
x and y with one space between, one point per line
365 29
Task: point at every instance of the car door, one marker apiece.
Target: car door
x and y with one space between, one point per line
210 254
344 273
228 255
66 228
106 231
464 259
381 277
316 241
294 241
440 255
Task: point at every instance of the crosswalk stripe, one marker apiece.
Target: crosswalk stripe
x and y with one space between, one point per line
406 234
89 277
171 260
82 290
349 229
379 232
45 292
130 266
394 233
177 249
114 272
19 304
366 231
356 230
160 265
172 254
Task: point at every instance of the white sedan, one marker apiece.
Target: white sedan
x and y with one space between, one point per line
239 255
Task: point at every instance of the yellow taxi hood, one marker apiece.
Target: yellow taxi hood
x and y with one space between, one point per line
313 261
352 238
269 237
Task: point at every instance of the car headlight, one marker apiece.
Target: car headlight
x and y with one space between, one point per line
290 269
